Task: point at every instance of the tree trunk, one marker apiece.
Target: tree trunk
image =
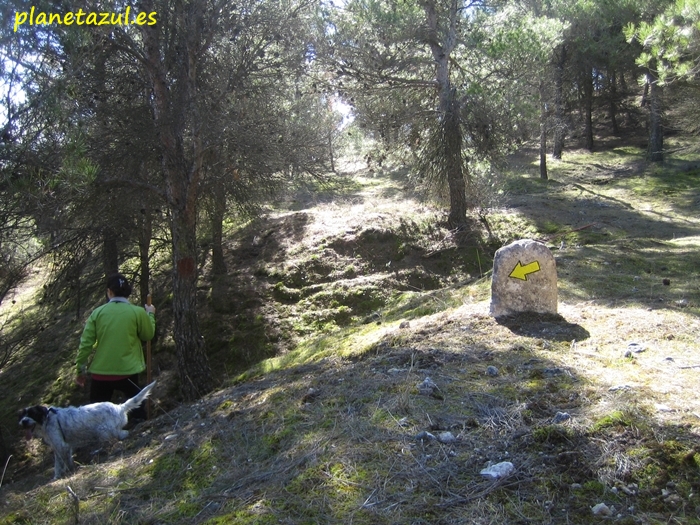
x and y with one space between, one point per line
330 150
656 131
174 105
449 113
218 264
588 105
559 112
452 137
613 102
110 251
193 364
145 236
543 134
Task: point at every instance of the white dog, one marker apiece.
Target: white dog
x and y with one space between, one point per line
64 429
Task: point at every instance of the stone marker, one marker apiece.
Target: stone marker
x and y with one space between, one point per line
524 279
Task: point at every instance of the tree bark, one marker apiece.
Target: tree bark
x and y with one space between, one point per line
543 133
174 104
145 236
452 137
449 113
110 251
588 105
613 102
218 264
559 110
656 131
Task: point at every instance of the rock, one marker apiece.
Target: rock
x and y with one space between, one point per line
427 387
405 324
637 348
601 509
425 436
524 279
310 395
446 438
491 371
617 388
499 470
560 417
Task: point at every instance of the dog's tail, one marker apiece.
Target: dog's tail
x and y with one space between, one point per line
135 402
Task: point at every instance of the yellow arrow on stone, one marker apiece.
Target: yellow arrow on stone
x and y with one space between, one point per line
522 271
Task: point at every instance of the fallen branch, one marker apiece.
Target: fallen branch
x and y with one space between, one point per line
76 503
5 470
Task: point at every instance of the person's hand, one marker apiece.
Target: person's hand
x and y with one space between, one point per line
80 381
150 308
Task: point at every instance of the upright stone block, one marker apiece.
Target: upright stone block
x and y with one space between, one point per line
524 279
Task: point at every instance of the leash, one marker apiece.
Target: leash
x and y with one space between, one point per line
53 410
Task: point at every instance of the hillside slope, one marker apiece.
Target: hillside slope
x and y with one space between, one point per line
395 388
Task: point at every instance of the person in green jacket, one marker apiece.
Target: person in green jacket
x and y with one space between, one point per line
114 332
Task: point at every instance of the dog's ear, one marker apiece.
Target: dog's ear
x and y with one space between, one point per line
42 412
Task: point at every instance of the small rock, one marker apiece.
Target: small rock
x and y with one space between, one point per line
499 470
637 348
405 324
664 408
425 436
427 387
492 371
446 437
601 509
619 387
560 417
630 490
310 395
553 371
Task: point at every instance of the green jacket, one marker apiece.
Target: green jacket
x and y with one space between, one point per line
115 331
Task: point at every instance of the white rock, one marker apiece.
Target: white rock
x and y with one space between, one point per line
499 470
637 348
446 437
524 279
560 417
601 509
427 387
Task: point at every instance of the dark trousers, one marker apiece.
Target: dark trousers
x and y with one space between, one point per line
103 391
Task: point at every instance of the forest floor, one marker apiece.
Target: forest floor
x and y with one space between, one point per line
389 388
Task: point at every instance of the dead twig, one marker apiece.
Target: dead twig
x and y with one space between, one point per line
76 503
2 478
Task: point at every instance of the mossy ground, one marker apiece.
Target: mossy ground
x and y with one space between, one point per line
326 430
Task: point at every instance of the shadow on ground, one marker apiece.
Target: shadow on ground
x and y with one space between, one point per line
552 327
